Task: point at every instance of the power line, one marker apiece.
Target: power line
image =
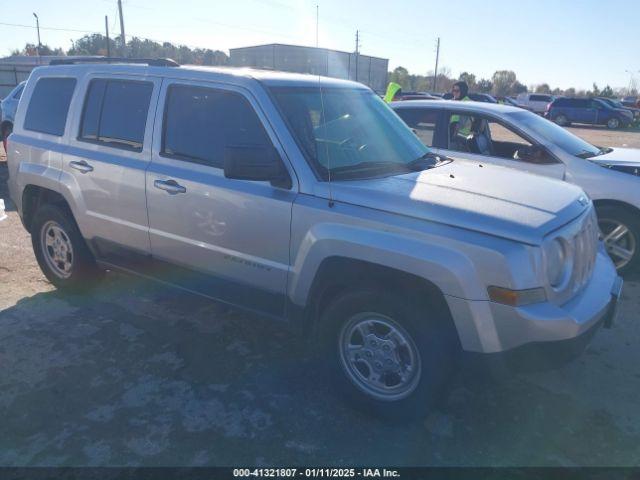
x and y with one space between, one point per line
47 28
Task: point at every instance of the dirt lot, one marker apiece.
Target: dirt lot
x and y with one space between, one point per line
137 374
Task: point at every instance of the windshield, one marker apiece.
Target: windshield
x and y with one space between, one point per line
555 134
358 136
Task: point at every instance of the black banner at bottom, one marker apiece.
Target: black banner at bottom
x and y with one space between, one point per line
404 473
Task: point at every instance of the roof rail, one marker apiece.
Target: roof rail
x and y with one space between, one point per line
152 62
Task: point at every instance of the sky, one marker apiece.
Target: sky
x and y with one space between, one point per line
565 43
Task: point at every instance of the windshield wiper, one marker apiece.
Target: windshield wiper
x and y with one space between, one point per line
604 151
587 154
590 154
365 166
424 162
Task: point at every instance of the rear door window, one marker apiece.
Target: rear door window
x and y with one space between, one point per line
115 113
49 105
200 122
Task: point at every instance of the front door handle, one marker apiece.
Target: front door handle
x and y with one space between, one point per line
82 166
170 186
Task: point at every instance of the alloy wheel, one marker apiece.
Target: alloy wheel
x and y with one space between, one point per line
619 240
57 249
379 356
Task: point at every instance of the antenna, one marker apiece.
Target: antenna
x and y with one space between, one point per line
357 51
317 23
323 120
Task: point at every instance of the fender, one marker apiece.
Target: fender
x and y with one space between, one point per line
53 179
447 268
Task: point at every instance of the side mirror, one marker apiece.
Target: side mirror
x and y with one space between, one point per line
533 154
255 163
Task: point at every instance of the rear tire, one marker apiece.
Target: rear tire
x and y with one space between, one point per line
60 250
621 232
388 355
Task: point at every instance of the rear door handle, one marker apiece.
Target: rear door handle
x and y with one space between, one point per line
82 166
170 186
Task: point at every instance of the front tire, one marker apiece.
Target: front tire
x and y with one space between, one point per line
562 120
621 234
613 123
61 251
389 356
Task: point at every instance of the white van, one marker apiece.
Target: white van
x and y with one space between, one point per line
537 102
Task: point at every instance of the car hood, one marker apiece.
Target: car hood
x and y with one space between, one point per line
629 157
490 199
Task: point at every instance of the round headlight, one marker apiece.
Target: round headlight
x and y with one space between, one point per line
557 263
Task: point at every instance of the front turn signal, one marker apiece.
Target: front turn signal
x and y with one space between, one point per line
516 298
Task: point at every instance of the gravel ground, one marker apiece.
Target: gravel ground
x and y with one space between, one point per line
137 374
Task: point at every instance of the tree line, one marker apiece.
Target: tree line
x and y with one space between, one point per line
96 44
502 83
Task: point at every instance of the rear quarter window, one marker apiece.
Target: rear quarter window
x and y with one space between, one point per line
49 105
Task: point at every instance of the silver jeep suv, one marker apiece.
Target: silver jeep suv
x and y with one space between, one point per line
307 199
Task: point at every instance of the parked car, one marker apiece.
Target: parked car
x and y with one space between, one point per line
482 97
8 106
631 101
315 206
591 111
416 96
536 102
612 102
511 137
512 102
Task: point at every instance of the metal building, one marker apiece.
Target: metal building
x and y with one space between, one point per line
17 68
371 71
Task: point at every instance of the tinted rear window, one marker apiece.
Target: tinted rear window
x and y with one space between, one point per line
571 103
200 122
115 112
540 98
49 105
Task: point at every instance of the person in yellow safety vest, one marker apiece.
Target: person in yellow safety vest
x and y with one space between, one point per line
460 125
393 90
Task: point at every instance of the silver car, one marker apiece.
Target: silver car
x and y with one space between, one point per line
8 107
308 200
510 137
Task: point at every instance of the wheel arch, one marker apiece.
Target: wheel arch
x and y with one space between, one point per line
617 204
337 275
33 196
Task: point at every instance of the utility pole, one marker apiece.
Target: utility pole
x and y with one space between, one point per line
357 51
106 27
317 24
631 80
122 35
38 29
435 73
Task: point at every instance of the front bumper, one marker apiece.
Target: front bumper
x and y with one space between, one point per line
489 328
539 356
